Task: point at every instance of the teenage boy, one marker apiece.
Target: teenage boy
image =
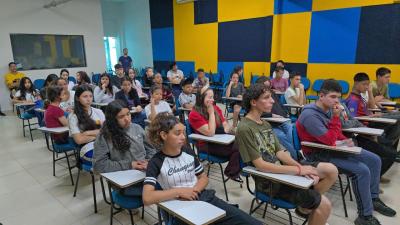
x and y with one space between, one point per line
116 79
358 106
259 147
200 81
380 88
187 99
319 122
295 93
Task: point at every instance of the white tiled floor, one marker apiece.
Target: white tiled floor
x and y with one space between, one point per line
29 194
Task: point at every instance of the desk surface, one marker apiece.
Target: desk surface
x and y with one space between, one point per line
388 103
124 178
377 119
291 180
276 119
24 104
193 212
55 130
365 130
40 110
98 104
232 98
353 150
184 109
224 139
294 106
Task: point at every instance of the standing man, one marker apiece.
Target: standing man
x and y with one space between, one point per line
125 61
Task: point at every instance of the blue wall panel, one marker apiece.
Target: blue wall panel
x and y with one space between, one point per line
205 11
163 44
292 6
333 37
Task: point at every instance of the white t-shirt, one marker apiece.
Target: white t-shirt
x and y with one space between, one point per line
96 115
175 75
70 85
101 97
285 74
289 93
28 96
162 106
69 103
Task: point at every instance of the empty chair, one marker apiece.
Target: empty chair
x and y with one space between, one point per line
315 87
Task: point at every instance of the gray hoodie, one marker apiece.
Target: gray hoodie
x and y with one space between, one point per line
106 158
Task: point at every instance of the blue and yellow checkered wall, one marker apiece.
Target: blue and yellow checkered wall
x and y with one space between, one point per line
319 38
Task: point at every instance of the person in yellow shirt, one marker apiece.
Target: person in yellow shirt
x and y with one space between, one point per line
13 77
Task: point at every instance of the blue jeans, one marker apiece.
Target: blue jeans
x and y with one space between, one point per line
284 132
364 170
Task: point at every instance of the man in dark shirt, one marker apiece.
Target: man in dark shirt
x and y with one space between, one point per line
125 61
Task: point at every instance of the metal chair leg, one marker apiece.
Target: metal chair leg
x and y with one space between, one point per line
69 168
77 182
131 216
343 199
224 181
30 130
94 192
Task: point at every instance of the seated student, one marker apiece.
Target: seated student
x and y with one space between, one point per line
105 91
280 63
295 93
26 92
49 80
235 89
386 153
130 97
148 77
316 124
54 115
166 91
67 98
64 74
358 107
206 118
85 121
200 81
187 99
165 168
116 79
121 145
380 88
279 83
157 105
175 76
135 83
82 78
284 131
260 147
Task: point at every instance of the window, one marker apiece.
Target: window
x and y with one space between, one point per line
110 46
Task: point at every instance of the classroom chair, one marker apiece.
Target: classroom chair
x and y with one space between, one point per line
394 91
39 83
84 163
96 78
306 82
208 157
228 108
315 87
253 78
70 78
343 192
25 114
345 86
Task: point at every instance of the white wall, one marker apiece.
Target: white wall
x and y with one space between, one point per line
130 22
78 17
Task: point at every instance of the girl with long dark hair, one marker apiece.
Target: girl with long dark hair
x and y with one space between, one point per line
85 121
135 83
26 92
130 97
105 91
81 78
64 74
121 144
178 171
206 118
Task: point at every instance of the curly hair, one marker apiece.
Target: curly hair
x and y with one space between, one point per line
111 130
84 121
253 93
23 90
162 122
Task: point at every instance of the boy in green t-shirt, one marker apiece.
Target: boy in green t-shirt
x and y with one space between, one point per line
260 147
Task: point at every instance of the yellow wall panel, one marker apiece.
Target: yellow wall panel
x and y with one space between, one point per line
347 72
318 5
290 37
255 68
197 43
229 10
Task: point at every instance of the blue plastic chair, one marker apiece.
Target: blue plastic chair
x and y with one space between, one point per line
317 88
204 156
39 83
96 78
254 78
72 79
306 82
85 164
345 86
394 90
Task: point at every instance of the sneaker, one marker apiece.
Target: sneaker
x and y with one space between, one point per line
301 214
383 209
385 180
2 114
366 220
